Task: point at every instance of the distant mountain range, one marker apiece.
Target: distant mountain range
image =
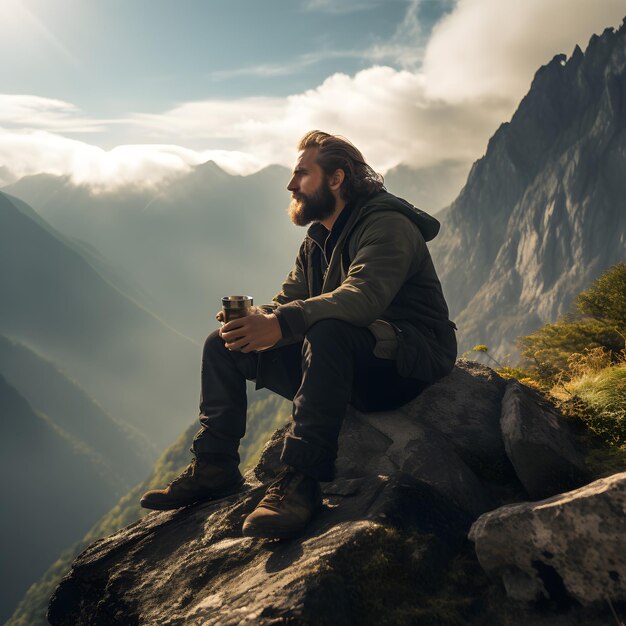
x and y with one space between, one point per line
124 454
266 413
92 387
186 245
53 488
56 303
543 213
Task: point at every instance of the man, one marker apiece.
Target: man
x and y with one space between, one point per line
361 319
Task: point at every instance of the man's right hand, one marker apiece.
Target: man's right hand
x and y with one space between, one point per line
219 316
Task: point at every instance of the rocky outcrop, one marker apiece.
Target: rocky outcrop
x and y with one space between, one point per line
570 546
538 444
541 215
409 484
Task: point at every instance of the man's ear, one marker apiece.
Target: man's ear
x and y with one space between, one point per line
336 179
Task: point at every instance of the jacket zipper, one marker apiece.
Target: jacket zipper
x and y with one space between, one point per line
325 257
323 251
345 234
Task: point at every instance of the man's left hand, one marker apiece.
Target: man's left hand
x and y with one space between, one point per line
251 333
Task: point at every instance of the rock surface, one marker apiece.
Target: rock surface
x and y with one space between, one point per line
465 407
538 444
572 545
407 489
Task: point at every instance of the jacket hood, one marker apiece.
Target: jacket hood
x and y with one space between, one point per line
385 201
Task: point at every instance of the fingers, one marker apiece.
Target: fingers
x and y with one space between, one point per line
234 324
232 330
239 344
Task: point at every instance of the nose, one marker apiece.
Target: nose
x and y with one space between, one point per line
292 186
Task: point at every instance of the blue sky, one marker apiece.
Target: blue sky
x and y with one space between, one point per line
112 56
117 92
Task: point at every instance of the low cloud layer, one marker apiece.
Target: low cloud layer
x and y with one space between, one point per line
32 152
476 66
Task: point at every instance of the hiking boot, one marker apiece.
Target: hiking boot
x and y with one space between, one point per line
287 507
203 479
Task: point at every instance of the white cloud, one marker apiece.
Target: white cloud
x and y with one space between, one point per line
34 152
477 66
493 47
382 110
36 112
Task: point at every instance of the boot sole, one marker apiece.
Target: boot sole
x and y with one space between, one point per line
164 506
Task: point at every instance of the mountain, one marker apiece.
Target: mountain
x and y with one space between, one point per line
266 412
57 304
186 244
543 212
115 275
53 490
6 176
429 188
121 450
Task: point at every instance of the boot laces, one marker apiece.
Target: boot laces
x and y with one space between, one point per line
187 473
279 488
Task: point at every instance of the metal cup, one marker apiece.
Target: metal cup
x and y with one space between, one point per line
235 307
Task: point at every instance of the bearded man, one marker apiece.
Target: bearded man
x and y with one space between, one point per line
361 319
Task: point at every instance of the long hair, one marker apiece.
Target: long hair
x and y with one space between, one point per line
336 152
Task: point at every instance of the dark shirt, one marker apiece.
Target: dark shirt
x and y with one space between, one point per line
321 260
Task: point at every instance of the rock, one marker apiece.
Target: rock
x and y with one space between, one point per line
465 406
539 444
409 484
408 447
569 546
194 567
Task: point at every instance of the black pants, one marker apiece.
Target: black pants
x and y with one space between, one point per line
334 366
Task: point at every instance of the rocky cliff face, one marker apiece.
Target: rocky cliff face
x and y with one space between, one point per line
543 213
389 545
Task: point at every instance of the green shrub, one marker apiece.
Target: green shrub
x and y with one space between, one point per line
599 321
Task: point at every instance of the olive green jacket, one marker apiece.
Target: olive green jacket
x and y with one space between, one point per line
380 276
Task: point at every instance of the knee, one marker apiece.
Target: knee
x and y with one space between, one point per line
213 343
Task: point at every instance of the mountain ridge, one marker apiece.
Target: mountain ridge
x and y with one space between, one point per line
539 217
40 463
56 303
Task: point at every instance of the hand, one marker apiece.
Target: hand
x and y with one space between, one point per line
219 316
251 333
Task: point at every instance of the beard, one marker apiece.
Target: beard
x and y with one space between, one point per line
314 207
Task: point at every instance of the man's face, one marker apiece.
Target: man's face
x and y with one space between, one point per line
312 198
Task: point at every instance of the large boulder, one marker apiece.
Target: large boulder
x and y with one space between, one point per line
571 545
539 444
465 407
409 484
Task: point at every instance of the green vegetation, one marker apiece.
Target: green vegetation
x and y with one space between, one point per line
599 320
579 363
485 350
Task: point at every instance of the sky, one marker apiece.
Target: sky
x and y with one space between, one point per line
117 92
